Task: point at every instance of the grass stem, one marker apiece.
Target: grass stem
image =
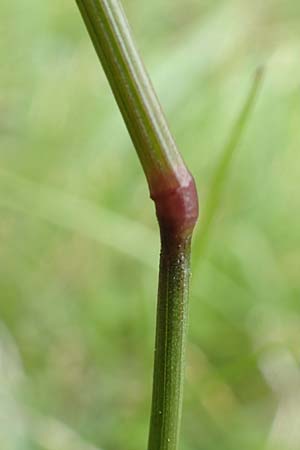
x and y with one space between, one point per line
173 190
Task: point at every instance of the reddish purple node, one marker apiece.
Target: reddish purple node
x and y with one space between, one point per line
177 209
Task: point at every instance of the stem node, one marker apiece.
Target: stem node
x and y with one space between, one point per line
177 209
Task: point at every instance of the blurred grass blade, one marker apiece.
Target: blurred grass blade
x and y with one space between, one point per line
47 432
78 215
221 173
52 434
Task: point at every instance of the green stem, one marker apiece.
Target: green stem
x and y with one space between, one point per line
111 35
172 317
173 190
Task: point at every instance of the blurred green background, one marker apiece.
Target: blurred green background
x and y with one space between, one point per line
79 243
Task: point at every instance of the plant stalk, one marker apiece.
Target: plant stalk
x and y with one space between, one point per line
173 190
112 38
169 362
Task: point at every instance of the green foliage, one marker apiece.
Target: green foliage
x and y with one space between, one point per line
76 345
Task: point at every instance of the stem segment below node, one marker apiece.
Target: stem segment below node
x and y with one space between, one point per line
171 325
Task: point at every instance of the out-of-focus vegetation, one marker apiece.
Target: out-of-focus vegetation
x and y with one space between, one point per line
79 243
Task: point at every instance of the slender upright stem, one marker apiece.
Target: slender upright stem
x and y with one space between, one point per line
132 88
173 190
172 315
